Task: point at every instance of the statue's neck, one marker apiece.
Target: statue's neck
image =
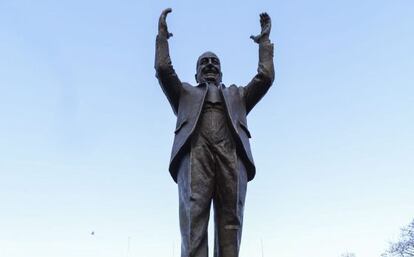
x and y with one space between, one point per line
213 82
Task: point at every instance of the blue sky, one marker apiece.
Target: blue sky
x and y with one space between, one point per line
86 131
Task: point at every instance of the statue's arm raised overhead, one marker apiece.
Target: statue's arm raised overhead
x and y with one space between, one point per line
168 79
262 81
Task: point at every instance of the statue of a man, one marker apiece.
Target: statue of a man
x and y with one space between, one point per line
211 159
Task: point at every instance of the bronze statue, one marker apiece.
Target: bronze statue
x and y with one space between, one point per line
211 159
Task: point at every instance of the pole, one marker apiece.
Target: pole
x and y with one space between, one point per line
261 242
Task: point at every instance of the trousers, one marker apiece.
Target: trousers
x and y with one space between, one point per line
211 172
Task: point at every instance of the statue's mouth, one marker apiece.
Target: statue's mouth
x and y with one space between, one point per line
210 72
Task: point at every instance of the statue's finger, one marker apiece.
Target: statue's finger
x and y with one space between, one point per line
266 17
263 20
165 13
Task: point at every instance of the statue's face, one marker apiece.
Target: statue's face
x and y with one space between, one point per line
208 68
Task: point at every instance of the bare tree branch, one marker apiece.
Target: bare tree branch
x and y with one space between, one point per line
405 246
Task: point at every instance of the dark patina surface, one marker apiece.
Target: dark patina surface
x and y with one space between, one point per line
211 160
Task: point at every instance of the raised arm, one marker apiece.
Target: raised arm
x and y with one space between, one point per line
168 79
262 81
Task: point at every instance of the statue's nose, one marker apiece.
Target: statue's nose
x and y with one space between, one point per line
210 63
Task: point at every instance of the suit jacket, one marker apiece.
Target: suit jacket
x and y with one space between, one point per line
187 102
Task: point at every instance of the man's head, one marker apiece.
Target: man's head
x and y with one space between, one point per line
208 68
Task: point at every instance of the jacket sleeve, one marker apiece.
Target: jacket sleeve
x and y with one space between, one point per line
165 73
262 81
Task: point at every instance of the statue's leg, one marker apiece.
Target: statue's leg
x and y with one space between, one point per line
230 193
196 187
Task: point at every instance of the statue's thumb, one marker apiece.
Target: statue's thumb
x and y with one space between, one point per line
255 39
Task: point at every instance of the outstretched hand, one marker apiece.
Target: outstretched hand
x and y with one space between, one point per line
266 25
162 24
